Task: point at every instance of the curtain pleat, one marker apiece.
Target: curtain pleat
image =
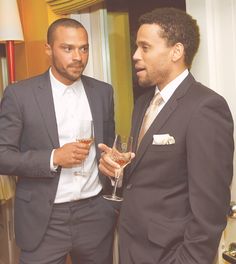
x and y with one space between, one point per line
63 7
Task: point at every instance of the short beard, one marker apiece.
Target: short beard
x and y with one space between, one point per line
145 83
68 76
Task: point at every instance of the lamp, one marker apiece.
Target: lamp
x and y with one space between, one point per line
10 31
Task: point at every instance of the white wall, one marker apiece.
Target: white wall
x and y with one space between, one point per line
215 62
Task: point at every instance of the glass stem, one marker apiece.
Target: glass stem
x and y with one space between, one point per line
117 176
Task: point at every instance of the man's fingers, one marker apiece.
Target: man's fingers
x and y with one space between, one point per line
104 148
106 165
106 170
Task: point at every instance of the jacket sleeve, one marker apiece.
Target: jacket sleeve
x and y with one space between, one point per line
14 160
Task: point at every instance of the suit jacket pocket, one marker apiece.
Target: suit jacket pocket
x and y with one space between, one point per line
23 194
167 233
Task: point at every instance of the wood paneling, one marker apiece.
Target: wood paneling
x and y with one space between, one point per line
30 56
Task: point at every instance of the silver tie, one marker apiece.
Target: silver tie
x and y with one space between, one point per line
150 115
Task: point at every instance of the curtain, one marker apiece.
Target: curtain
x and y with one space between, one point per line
63 7
7 187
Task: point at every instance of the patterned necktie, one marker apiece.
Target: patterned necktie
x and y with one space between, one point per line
150 115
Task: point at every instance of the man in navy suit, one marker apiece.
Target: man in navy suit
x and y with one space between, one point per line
57 212
177 188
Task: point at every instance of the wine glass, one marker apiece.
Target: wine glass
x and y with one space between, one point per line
121 153
84 134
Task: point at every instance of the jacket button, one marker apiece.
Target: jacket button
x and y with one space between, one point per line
129 186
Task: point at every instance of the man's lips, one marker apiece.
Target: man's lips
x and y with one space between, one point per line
139 67
139 70
76 66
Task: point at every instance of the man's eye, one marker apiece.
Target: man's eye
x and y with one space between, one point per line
84 49
67 49
145 48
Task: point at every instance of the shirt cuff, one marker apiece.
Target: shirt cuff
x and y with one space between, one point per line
52 166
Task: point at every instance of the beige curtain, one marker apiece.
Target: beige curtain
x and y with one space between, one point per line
7 187
63 7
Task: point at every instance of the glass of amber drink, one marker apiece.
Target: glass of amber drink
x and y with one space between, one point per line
121 153
84 134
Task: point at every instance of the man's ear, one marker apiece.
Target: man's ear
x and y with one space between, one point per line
48 50
178 52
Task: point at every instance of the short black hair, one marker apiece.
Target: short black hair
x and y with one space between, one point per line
64 22
177 26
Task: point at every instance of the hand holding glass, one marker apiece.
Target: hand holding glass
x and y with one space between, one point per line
121 153
84 134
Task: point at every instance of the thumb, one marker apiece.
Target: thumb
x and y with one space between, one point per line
104 147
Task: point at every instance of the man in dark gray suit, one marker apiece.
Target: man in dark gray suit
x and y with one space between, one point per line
177 188
57 212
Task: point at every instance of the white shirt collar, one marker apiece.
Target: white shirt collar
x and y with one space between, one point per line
169 89
60 88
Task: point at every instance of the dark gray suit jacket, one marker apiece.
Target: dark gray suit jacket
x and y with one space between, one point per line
28 134
177 196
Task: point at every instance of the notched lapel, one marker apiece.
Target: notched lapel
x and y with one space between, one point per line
44 98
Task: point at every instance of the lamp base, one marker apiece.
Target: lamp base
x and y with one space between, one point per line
10 60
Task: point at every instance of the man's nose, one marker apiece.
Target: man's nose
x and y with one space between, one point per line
77 55
136 55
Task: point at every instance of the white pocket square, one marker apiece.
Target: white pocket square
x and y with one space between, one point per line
163 139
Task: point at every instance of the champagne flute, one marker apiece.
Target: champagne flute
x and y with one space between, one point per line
84 134
121 153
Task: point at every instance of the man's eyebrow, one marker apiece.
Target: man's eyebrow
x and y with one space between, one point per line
142 42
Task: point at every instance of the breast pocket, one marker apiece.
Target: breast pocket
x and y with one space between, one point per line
171 147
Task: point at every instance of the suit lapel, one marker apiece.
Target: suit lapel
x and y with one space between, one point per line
44 98
95 108
160 120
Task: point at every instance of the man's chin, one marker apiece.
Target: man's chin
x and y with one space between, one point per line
143 83
75 77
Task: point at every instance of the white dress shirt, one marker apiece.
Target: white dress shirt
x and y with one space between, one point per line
71 106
